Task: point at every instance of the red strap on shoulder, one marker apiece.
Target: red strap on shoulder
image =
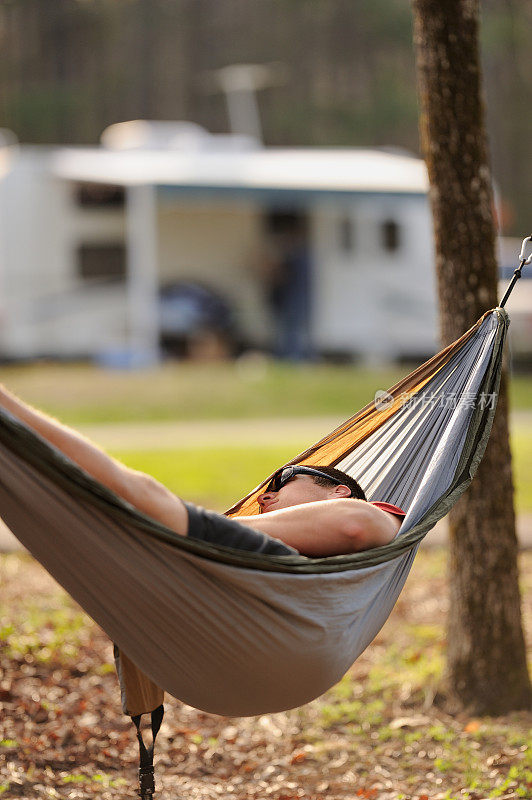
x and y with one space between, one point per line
390 508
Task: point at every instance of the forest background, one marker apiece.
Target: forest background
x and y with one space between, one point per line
347 77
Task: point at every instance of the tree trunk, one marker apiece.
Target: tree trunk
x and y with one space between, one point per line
486 667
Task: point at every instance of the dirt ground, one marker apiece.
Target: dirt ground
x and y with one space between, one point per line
380 734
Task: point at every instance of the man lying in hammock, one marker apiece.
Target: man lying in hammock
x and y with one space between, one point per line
314 511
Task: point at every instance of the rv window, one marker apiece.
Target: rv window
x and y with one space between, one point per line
99 195
390 235
346 234
102 262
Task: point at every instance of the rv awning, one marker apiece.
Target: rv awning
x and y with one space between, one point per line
312 170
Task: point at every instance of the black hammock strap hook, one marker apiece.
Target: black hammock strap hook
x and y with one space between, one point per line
523 261
146 776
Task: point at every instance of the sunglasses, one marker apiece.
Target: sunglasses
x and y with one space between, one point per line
286 474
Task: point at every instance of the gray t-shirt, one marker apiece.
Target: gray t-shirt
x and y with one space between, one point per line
216 528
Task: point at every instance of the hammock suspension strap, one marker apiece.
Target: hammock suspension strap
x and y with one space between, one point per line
146 769
523 261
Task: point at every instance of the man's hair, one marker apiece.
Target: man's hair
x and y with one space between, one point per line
337 475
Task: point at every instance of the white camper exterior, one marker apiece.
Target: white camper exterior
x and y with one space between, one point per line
80 277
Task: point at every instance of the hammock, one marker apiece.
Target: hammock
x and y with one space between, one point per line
239 633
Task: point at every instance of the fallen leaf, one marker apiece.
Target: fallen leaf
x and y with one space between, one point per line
409 722
297 758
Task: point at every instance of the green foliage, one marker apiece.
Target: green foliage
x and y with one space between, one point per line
47 108
105 780
443 764
518 781
106 669
438 733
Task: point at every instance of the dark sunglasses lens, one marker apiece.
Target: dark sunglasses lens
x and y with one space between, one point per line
279 479
273 485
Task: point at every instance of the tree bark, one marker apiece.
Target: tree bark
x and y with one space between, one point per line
486 662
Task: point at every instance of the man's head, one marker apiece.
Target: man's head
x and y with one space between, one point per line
295 485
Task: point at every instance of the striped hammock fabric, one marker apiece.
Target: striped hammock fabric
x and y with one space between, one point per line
239 633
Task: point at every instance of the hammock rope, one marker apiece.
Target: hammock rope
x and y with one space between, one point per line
523 261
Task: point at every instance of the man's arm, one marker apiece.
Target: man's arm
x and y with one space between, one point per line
328 527
324 528
141 490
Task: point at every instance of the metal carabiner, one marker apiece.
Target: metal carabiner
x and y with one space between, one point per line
522 254
523 261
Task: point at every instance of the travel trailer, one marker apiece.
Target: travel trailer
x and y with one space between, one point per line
164 234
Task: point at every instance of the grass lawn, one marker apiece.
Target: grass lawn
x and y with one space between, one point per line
84 394
522 464
213 476
217 476
252 388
